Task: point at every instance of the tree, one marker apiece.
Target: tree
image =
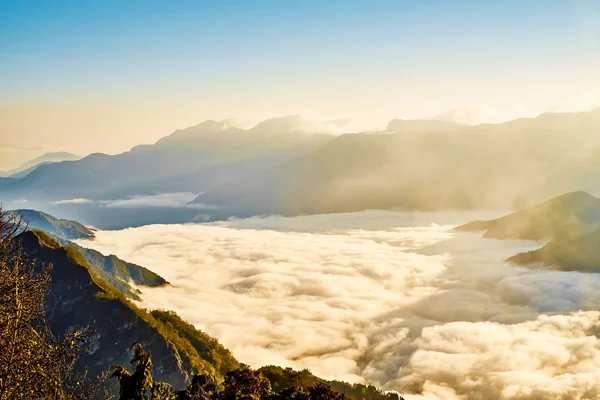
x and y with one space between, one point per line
245 383
135 386
33 363
201 388
323 391
163 391
240 384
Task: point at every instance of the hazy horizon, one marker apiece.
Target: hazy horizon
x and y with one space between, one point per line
104 77
15 156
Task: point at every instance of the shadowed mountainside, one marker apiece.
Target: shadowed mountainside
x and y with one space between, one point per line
571 221
110 268
581 254
189 160
117 272
566 217
62 228
48 158
487 166
78 296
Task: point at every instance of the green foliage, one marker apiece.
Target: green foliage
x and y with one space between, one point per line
110 268
175 332
189 354
208 347
284 379
34 364
116 271
163 391
45 239
245 383
137 385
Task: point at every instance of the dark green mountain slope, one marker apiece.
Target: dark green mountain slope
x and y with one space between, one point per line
116 271
581 254
110 268
564 217
62 228
78 296
284 378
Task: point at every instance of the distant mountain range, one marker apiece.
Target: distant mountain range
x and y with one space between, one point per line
428 166
571 223
190 160
277 168
29 166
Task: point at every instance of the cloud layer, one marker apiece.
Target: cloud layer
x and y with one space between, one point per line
394 299
168 200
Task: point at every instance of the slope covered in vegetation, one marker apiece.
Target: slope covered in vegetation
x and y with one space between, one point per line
78 296
283 379
118 272
62 228
580 254
566 217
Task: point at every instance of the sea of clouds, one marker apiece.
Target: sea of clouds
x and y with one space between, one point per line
395 299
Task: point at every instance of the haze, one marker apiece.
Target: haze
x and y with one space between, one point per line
105 76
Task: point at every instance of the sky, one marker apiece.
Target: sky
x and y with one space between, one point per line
107 75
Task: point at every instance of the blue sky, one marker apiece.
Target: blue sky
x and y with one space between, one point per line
371 59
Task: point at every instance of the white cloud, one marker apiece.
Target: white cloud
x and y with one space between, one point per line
384 297
463 115
166 200
157 200
78 200
311 122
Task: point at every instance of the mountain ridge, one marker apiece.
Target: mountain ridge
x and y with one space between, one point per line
63 228
117 272
47 158
171 157
506 165
581 254
566 216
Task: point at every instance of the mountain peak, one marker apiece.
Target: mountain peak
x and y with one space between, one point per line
207 128
46 158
